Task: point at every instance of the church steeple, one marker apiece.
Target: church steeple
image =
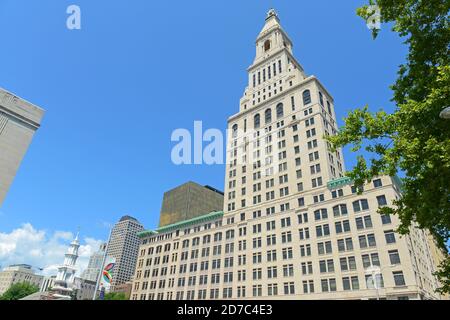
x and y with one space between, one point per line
66 273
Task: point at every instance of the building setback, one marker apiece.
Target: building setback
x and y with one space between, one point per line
188 201
293 226
19 120
124 246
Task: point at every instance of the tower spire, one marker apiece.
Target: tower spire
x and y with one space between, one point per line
66 273
272 13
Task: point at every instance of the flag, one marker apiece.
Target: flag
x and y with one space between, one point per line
107 273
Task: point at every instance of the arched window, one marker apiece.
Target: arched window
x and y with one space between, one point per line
321 98
306 97
268 116
360 205
234 130
340 210
267 45
329 107
280 112
256 121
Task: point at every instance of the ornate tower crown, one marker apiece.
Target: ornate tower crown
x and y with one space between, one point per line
271 13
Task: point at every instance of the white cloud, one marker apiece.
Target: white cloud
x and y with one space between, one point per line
41 249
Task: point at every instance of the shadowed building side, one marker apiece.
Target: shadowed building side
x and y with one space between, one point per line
188 201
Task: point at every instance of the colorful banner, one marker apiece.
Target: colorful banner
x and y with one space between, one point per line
107 273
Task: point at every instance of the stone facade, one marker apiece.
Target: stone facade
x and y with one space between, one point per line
19 120
18 274
293 226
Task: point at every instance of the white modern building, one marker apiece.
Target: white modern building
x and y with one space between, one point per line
293 226
19 120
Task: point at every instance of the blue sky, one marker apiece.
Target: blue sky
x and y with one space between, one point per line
116 89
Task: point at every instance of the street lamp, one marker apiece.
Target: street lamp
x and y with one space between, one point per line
445 114
375 271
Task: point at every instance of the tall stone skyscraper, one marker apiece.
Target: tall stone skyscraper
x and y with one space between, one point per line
124 246
293 225
19 120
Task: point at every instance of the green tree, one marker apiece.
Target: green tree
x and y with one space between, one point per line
115 296
19 290
413 139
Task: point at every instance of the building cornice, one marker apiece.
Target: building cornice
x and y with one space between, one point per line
20 109
182 224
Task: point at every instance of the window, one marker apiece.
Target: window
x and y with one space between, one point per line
390 236
329 108
324 248
256 121
394 257
306 97
268 116
342 226
350 283
328 285
280 112
360 205
348 263
363 222
320 214
381 200
340 210
376 281
305 250
321 98
287 253
267 45
303 217
286 222
385 219
272 289
399 279
286 237
323 230
271 272
370 260
303 233
308 286
377 183
326 266
337 193
235 130
366 241
289 288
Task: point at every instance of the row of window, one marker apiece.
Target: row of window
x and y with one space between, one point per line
323 248
349 283
339 210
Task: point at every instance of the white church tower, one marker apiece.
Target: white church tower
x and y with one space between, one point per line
66 273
